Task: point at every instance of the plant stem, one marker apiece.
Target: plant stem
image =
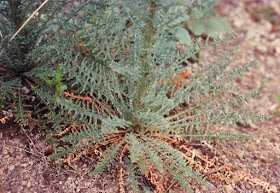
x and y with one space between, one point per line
146 59
148 43
148 39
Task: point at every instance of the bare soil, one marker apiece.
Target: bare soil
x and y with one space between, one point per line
24 166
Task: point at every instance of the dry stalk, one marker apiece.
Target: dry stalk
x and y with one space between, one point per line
22 26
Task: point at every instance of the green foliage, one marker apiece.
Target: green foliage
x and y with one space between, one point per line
7 89
22 113
278 98
207 23
13 14
278 102
119 59
183 35
201 20
17 70
56 81
107 159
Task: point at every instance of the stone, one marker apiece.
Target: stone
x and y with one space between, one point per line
6 170
14 173
17 163
277 49
238 23
229 188
28 184
267 26
271 36
11 167
12 150
7 187
17 140
261 49
248 186
25 90
276 45
273 188
5 152
62 178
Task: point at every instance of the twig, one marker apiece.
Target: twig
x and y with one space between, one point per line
215 170
23 25
31 141
23 149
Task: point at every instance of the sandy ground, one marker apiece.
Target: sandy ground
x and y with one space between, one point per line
24 169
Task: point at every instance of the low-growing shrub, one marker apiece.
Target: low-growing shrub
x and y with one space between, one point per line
113 83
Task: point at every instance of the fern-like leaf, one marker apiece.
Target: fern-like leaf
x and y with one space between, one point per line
107 158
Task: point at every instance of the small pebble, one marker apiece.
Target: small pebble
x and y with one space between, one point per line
17 140
242 187
277 49
62 178
6 170
271 36
7 187
273 188
262 49
229 188
15 173
12 150
248 187
17 163
5 152
259 189
28 185
11 167
238 23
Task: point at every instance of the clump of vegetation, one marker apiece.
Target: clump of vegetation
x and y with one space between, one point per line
200 21
278 103
18 39
105 84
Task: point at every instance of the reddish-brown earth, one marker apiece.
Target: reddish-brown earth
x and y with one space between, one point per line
25 168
